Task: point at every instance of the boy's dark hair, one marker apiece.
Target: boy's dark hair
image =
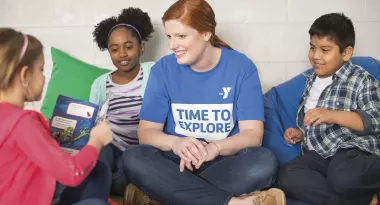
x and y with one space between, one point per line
132 16
336 27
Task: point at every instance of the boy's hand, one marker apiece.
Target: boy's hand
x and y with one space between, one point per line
293 135
317 116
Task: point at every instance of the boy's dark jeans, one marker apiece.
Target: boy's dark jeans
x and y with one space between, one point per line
157 174
350 177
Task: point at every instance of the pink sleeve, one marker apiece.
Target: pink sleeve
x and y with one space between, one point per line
33 137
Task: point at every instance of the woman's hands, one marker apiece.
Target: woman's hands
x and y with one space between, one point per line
194 153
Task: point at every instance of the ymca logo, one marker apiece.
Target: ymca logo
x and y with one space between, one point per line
226 92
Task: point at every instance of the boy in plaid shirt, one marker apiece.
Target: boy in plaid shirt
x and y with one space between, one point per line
338 123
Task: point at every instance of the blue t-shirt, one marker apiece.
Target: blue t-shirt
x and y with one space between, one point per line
204 105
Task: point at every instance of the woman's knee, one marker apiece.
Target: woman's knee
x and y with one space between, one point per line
263 158
262 166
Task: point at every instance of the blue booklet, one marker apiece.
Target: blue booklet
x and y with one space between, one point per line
71 123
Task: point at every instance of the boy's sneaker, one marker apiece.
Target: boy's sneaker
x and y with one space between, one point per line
134 196
270 197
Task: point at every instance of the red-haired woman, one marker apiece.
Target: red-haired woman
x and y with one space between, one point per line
201 121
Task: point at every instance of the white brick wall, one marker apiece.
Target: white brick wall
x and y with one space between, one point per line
271 32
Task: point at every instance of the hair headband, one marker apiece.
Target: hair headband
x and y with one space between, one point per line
24 47
127 25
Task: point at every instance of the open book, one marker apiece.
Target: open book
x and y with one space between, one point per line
71 123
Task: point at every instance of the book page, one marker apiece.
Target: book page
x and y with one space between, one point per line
80 110
63 123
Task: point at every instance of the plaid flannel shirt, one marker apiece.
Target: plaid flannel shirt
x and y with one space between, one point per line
353 89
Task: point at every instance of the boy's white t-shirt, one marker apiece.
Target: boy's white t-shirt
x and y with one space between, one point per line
315 92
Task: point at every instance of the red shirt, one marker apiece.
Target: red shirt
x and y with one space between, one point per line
31 161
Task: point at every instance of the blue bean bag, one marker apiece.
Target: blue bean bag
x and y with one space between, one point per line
281 103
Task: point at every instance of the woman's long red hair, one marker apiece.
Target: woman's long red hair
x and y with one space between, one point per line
197 14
